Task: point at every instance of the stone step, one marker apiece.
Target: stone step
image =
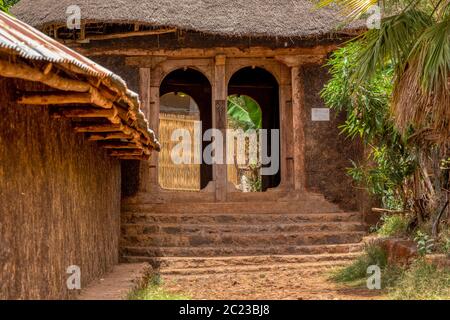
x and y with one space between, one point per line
251 207
211 251
166 196
238 218
244 240
300 268
223 229
162 263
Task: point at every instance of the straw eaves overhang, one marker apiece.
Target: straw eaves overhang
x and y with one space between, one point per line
85 90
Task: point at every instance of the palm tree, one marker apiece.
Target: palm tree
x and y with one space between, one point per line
414 37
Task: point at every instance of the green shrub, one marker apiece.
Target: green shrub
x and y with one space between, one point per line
373 255
393 225
425 243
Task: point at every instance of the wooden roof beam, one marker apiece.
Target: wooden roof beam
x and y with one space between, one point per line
125 35
110 114
23 71
109 136
105 128
119 145
127 153
93 97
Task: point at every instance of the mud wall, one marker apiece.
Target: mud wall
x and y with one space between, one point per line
328 153
59 203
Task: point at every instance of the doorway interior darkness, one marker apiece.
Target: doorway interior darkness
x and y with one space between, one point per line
260 85
196 85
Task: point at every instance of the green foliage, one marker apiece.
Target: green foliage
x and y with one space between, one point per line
244 113
413 40
425 243
422 281
373 255
393 225
6 4
366 103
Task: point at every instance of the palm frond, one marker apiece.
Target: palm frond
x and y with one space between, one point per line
351 9
392 43
422 96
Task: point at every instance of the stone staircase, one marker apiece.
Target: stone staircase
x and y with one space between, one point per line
251 234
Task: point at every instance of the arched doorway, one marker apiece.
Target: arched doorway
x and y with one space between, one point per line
185 98
262 87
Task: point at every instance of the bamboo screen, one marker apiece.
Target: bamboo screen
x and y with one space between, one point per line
177 176
232 171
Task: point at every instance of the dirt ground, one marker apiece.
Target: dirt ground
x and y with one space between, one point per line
282 284
285 285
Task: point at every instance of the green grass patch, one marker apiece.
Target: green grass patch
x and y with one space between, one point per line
422 281
418 281
154 290
393 225
374 255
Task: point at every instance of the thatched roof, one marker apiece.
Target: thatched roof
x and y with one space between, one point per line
272 18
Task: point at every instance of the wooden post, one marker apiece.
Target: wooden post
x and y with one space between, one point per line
146 175
298 117
286 146
154 118
220 122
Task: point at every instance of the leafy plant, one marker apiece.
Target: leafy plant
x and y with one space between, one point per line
244 113
425 244
393 225
6 4
390 161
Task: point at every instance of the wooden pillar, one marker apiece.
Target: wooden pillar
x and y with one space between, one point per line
286 154
220 122
147 168
298 118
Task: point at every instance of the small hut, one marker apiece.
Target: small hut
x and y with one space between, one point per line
66 123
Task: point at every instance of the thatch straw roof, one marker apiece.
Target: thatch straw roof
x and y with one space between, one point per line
270 18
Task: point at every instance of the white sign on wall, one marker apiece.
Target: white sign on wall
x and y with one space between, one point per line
320 114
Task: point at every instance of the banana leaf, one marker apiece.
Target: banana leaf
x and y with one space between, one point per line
244 113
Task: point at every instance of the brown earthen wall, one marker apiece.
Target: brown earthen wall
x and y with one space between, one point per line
59 203
328 152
